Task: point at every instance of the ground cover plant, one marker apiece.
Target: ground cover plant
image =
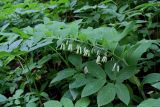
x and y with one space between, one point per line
79 53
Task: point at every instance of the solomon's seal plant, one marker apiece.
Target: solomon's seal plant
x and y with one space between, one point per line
70 53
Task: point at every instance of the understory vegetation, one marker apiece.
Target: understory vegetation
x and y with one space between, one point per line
79 53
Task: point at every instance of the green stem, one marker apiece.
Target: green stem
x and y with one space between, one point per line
60 56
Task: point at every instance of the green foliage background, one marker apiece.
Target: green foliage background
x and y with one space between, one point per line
79 53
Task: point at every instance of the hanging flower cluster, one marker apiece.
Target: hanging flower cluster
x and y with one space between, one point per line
84 51
99 60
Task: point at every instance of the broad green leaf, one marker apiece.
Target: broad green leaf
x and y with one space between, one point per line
80 80
31 105
135 52
150 103
156 85
106 94
151 78
83 102
2 98
74 93
93 87
122 93
126 73
95 70
63 75
108 69
52 103
66 102
75 59
18 93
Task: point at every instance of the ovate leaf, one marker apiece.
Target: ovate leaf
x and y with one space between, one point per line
108 69
126 73
106 94
63 75
95 70
31 105
83 102
52 103
93 87
135 52
156 85
2 98
151 78
80 80
66 102
122 93
75 59
150 103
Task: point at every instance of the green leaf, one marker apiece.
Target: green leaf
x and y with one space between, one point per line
63 75
135 52
18 93
80 80
126 73
2 98
21 33
75 59
52 103
31 105
122 93
83 102
44 60
108 69
95 70
128 29
106 94
151 78
93 87
66 102
156 85
150 103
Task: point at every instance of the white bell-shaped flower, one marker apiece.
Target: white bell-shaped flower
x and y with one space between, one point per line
98 59
104 59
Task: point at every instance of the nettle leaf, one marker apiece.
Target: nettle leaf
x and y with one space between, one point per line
80 80
93 87
151 78
150 103
156 85
63 75
95 70
106 94
126 73
66 102
83 102
135 52
52 103
122 93
2 98
75 59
